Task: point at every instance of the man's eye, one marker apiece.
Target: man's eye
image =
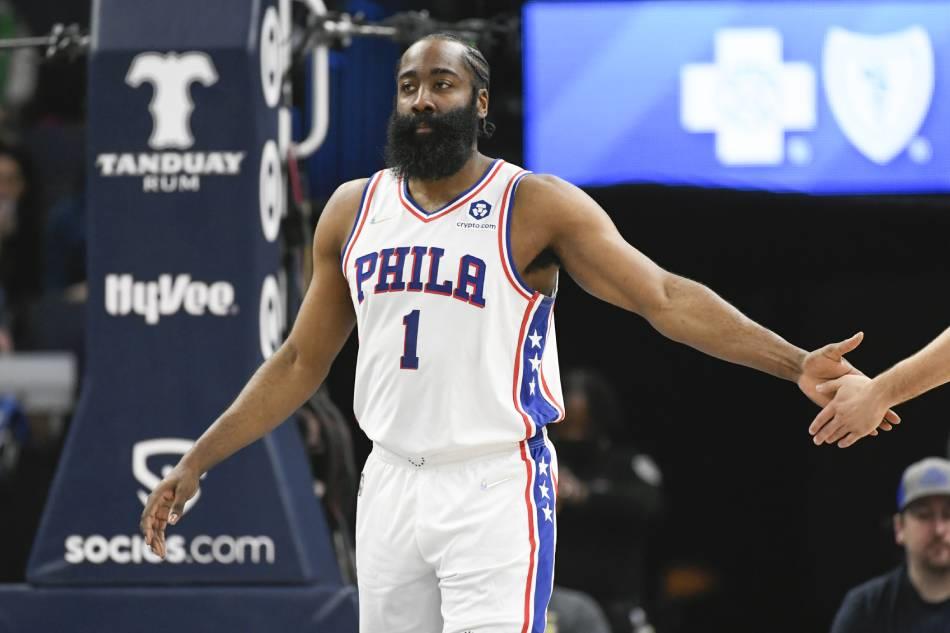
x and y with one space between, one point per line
406 87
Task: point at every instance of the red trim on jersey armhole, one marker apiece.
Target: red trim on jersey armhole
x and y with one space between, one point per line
528 425
363 212
503 232
531 540
544 383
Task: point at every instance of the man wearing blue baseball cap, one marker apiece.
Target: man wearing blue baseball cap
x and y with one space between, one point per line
914 597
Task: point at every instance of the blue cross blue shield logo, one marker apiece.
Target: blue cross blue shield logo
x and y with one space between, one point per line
479 210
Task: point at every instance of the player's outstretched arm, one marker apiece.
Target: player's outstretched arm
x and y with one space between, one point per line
283 382
559 216
858 400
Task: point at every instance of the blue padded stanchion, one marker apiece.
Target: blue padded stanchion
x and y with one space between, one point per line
185 201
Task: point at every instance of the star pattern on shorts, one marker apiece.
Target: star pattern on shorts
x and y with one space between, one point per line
544 491
543 467
547 513
531 386
535 363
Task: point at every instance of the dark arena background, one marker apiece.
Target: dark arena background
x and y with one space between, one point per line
148 269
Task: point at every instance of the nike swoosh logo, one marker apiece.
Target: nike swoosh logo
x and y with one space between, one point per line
376 219
486 485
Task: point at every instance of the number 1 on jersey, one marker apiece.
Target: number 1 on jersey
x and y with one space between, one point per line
409 360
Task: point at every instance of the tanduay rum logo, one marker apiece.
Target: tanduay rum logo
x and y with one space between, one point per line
167 168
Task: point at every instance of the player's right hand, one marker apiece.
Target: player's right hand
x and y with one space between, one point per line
166 505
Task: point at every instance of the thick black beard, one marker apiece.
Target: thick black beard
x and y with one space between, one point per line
438 154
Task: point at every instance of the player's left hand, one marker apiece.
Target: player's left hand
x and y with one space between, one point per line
852 414
828 363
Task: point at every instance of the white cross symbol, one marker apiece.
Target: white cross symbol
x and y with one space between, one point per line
749 98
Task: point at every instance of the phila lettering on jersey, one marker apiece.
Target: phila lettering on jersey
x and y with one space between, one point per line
455 350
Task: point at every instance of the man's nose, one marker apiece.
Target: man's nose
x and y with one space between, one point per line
422 102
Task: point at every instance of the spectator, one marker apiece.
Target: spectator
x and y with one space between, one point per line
21 238
65 244
607 495
329 443
914 597
574 612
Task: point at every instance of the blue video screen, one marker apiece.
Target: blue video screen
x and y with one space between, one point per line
825 97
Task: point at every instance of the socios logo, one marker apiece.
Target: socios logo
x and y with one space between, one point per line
172 449
880 88
130 549
479 210
749 97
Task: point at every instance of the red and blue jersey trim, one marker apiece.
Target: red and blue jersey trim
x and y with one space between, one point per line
466 196
531 396
540 497
504 237
361 214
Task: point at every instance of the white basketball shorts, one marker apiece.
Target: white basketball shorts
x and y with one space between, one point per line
457 544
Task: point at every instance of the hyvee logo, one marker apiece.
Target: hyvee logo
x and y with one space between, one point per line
171 76
168 446
167 296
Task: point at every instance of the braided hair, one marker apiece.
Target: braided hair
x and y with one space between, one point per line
481 73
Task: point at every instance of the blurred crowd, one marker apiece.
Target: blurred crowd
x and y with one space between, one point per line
42 257
42 228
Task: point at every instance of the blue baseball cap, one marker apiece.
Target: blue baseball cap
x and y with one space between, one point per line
930 476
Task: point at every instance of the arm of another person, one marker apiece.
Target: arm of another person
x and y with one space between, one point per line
557 215
858 400
282 383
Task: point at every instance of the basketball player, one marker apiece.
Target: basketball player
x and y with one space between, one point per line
447 262
858 399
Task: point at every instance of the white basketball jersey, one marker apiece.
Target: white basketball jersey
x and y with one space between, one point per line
455 350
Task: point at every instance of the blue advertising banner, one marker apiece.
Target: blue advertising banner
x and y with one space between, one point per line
186 196
829 97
